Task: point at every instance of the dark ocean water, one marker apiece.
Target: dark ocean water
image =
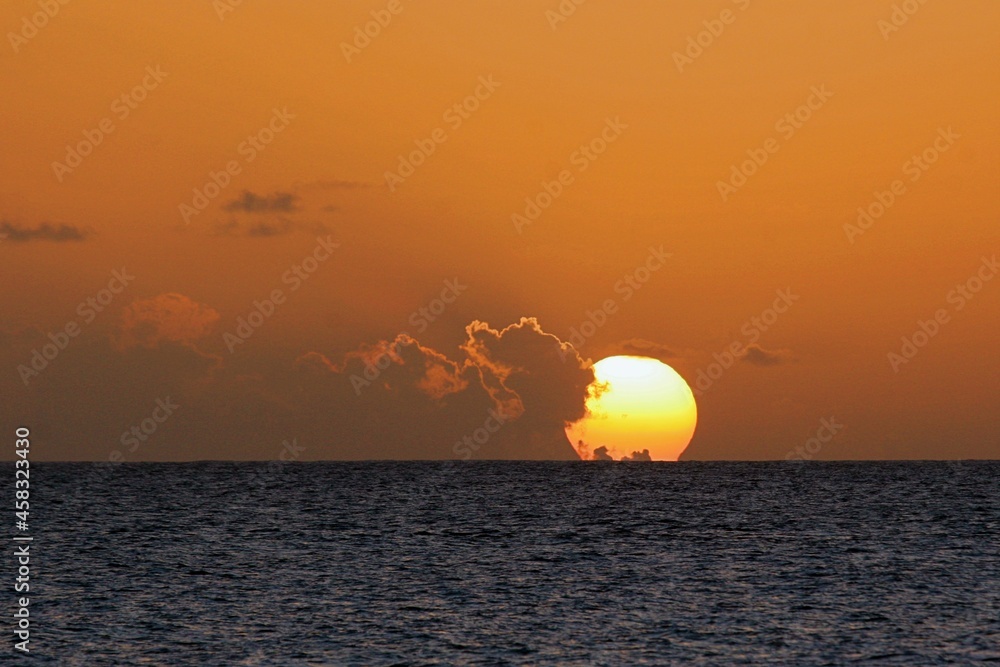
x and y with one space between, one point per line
515 563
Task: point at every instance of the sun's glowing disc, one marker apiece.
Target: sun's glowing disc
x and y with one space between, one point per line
636 404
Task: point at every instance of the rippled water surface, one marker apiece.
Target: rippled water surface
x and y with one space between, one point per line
516 563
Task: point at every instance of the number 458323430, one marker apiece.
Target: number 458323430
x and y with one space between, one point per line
22 445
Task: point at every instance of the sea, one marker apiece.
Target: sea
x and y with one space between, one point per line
511 563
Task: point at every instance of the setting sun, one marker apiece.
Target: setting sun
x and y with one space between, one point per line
636 405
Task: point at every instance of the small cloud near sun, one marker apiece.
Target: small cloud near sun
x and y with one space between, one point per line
601 454
647 348
758 356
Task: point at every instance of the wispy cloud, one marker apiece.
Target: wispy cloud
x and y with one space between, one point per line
758 356
267 228
647 348
250 202
43 232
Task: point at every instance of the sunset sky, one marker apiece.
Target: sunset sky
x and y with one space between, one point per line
266 151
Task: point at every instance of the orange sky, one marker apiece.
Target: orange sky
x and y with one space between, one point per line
670 136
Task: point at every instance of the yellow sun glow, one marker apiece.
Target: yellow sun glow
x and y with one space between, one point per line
635 404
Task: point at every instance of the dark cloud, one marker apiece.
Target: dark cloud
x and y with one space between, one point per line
503 394
268 228
265 229
43 232
638 456
87 399
519 356
400 399
758 356
641 347
278 202
601 454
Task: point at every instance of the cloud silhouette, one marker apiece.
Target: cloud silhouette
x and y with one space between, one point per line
250 202
279 226
758 356
525 361
641 347
43 232
502 394
265 229
402 399
601 454
93 393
